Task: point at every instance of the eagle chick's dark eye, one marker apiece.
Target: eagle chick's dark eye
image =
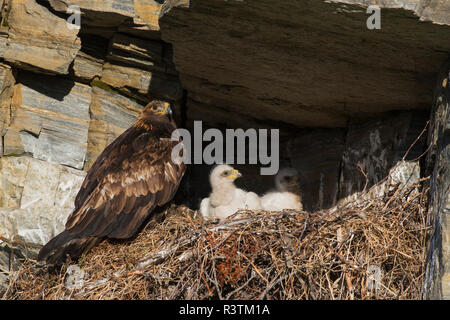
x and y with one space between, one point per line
226 173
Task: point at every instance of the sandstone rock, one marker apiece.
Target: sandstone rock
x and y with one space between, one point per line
435 11
437 276
87 67
145 54
217 116
44 194
124 7
13 173
148 11
39 40
169 4
126 77
98 13
6 89
111 114
140 28
51 120
144 14
403 174
327 159
3 42
281 62
377 144
139 17
145 83
319 172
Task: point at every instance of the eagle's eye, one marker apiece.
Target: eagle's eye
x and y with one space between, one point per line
226 173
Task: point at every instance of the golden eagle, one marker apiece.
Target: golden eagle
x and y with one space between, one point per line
131 177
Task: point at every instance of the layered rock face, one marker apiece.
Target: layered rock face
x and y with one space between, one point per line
36 198
349 102
306 63
65 93
50 121
37 39
437 281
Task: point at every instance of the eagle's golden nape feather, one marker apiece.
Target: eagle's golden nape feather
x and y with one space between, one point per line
133 175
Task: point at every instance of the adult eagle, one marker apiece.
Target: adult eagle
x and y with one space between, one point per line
131 177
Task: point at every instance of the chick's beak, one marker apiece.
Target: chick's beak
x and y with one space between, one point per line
236 174
293 181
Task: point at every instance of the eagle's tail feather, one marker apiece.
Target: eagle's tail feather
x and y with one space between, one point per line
56 250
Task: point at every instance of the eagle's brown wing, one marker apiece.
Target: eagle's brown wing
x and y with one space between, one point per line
129 179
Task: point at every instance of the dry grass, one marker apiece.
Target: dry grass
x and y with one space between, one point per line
256 255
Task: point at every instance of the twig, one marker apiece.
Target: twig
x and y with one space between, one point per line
415 141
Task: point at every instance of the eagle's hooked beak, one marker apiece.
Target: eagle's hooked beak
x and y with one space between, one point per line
236 174
166 109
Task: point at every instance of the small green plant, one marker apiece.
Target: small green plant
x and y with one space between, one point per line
12 155
102 85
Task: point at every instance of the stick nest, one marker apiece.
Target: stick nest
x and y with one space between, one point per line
368 249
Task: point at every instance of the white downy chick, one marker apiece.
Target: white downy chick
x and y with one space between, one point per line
287 195
225 198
